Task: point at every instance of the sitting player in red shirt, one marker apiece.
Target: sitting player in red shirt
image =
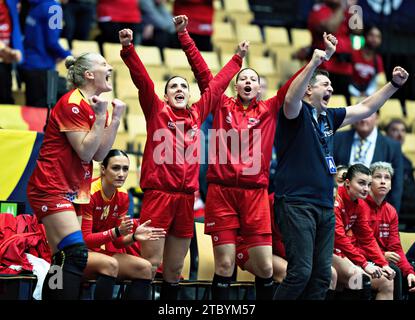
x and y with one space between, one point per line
383 219
76 133
352 227
108 232
170 167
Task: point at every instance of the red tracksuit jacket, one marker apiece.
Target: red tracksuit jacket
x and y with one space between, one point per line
231 116
383 220
172 151
19 236
351 226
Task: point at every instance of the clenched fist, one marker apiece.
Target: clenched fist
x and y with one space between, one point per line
99 106
180 22
118 108
126 37
330 42
399 75
318 57
243 49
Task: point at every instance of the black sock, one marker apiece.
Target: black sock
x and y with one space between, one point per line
104 287
139 289
264 288
361 294
169 291
366 292
65 287
221 287
330 295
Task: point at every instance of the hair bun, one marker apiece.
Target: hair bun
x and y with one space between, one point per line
70 61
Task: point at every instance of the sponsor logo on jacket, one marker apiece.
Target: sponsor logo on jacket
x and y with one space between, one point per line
252 122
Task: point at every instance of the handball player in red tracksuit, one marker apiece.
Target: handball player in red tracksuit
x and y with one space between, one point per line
237 198
383 220
354 239
170 167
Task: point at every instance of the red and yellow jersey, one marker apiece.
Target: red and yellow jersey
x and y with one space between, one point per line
59 170
101 215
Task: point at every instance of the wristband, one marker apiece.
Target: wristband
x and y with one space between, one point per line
117 232
397 86
133 237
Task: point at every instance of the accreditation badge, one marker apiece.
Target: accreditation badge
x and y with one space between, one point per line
331 165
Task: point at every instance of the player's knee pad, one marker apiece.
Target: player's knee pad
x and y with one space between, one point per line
72 258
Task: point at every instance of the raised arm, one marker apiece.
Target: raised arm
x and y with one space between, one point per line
278 100
110 132
147 95
298 87
372 103
199 67
211 98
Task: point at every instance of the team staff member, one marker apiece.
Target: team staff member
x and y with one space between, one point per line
383 220
304 176
352 227
279 262
108 232
237 197
169 179
76 134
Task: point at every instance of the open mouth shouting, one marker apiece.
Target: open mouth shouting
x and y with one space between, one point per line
326 98
247 90
108 76
179 98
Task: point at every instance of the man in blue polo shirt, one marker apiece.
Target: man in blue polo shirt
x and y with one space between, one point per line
304 175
